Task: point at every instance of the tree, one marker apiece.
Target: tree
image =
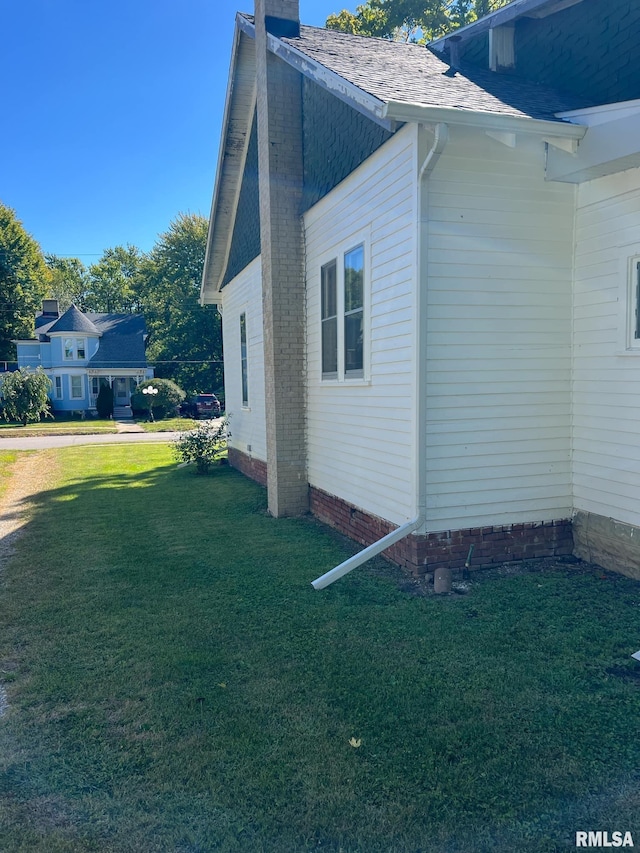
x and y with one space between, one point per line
26 395
185 337
104 400
113 284
411 20
69 281
24 282
165 402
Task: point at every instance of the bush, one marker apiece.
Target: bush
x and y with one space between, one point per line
25 395
205 445
104 401
163 404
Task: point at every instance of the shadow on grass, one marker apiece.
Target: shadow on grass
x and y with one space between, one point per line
174 683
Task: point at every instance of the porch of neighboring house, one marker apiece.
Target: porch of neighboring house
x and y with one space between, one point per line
123 387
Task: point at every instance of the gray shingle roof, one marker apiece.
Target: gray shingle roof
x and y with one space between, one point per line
123 340
73 320
413 74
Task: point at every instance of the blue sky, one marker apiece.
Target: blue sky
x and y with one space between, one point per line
112 114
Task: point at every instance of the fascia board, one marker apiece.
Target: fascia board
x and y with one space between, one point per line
421 114
227 186
606 149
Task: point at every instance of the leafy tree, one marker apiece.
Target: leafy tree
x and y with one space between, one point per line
26 395
164 403
113 284
69 281
24 282
185 337
411 20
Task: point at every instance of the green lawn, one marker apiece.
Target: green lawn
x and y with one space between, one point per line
174 683
56 427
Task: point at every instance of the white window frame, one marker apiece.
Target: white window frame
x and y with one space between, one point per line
338 254
71 353
244 360
633 304
73 396
58 393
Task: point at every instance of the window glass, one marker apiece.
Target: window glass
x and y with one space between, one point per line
68 348
354 311
329 319
243 360
58 387
76 387
80 347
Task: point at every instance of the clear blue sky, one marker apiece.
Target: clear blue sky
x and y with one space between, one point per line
111 114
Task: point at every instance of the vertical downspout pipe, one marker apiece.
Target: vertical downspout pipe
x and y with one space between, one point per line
441 137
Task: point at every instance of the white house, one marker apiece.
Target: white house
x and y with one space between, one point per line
428 266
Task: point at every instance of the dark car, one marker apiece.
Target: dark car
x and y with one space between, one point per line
201 406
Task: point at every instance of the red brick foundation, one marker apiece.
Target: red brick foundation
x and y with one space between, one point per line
449 548
422 554
255 469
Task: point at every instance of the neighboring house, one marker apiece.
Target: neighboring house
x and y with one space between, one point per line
79 352
429 274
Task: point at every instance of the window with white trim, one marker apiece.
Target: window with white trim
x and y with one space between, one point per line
342 315
243 361
74 349
77 392
57 387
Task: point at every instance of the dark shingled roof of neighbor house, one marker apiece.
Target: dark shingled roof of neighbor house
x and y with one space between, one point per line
413 74
73 320
122 341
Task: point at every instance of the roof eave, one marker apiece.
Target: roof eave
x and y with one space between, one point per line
424 114
228 172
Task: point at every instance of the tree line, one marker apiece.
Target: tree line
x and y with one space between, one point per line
411 20
185 338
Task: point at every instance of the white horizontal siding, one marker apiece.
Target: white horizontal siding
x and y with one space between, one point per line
361 436
499 321
247 425
606 381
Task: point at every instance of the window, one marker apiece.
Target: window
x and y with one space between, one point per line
329 321
354 312
342 315
243 360
57 387
74 348
76 388
95 386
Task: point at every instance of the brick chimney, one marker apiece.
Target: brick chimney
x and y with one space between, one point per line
279 106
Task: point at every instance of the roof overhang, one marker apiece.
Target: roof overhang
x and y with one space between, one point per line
236 130
611 144
497 122
503 17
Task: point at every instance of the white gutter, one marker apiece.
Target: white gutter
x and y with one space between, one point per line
441 137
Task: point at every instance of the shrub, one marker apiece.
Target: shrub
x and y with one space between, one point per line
25 395
204 445
163 404
104 401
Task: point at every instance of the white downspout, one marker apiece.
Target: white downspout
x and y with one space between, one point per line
428 165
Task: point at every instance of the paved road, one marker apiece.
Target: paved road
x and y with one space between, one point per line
44 441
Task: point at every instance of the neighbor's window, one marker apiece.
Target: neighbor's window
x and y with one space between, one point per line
95 386
328 284
354 312
76 387
57 385
243 360
74 348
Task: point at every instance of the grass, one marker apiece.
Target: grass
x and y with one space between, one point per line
175 684
59 426
168 425
7 460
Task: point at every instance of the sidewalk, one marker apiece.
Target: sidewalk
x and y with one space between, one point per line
45 441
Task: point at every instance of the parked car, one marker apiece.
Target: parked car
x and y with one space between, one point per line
201 406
